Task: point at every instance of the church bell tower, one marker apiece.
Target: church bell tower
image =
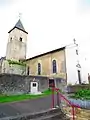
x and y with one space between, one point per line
17 43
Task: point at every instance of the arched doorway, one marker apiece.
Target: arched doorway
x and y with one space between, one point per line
51 82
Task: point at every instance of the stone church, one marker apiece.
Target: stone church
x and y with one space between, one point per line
53 64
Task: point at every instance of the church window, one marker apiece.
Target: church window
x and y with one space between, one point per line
79 76
39 69
28 70
54 66
34 84
20 39
76 52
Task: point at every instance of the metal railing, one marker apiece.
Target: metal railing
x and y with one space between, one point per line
59 98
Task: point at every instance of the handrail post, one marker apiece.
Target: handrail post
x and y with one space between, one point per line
73 113
58 99
52 97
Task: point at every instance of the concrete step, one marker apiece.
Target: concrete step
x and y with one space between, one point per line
51 114
55 116
2 115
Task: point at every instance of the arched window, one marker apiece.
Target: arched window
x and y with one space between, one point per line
20 39
10 39
54 66
28 70
39 69
79 76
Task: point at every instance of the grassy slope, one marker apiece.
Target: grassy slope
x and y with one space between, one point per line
12 98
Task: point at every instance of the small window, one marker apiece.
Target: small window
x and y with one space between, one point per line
54 66
79 76
39 69
20 39
34 84
28 70
10 39
76 52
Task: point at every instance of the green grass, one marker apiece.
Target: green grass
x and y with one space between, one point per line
12 98
16 62
82 94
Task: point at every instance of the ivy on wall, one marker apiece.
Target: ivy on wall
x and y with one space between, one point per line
16 62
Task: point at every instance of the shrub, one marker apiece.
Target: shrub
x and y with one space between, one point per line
16 62
82 94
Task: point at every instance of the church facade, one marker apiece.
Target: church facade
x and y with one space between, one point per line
51 64
54 64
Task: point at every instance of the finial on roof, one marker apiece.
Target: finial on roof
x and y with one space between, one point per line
19 25
74 41
20 14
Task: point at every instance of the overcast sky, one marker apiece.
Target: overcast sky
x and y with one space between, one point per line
51 24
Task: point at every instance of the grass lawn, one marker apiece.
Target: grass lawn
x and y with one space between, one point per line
12 98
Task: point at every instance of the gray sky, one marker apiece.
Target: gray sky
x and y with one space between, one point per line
51 24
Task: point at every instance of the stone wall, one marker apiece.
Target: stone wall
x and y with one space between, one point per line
75 88
13 68
85 104
17 84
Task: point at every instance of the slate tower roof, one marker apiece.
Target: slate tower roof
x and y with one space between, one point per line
19 26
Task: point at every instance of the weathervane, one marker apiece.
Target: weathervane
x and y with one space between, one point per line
20 14
74 41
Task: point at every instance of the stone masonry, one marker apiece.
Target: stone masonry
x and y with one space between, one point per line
19 84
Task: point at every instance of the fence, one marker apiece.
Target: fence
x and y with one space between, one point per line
61 100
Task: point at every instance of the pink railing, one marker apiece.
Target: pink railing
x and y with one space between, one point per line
59 97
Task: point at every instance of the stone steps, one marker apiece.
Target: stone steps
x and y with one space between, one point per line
52 114
2 115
